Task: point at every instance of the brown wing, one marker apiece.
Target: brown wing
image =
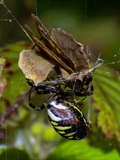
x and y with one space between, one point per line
62 48
51 44
71 48
47 51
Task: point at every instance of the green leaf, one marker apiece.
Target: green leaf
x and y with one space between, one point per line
80 150
12 154
106 102
12 72
3 81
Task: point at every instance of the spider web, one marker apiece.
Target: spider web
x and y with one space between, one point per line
51 17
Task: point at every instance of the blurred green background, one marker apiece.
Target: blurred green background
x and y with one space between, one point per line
92 22
27 134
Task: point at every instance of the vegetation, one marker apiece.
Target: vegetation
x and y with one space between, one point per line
26 133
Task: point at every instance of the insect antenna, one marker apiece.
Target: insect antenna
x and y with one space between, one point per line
92 57
98 63
90 54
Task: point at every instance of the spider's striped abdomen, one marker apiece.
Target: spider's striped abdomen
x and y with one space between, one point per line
68 120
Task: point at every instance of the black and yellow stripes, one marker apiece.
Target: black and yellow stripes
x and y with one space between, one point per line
68 120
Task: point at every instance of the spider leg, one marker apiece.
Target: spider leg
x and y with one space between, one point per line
87 93
32 105
38 91
37 108
42 90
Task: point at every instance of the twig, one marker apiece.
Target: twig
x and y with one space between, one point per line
13 107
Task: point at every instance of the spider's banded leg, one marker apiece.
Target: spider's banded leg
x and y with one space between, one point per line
88 93
46 103
41 89
41 107
38 91
30 82
74 83
32 105
36 107
91 89
29 99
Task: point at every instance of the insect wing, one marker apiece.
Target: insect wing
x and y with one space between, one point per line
46 50
51 43
71 48
34 66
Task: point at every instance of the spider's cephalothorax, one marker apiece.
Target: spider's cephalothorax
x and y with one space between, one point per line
66 88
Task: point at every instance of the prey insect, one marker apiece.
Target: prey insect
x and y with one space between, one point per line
58 49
